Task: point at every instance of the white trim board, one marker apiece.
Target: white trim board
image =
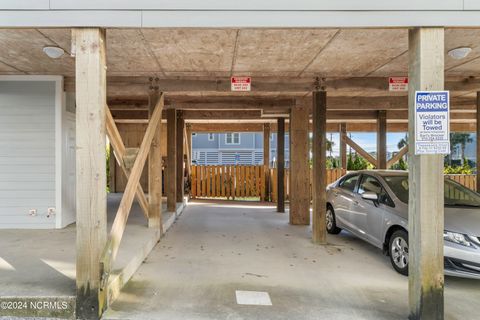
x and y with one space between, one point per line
211 18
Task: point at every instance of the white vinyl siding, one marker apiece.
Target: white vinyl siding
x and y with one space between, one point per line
27 153
37 152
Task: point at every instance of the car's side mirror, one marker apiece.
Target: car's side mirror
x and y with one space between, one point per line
370 196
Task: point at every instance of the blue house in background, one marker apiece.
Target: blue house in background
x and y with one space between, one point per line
243 148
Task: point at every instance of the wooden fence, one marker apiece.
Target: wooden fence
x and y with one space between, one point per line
232 182
468 180
228 182
242 182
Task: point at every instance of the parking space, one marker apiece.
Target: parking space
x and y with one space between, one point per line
218 248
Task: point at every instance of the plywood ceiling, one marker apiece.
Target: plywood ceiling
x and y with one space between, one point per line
222 52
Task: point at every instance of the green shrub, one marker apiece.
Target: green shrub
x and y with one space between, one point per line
400 165
465 169
358 163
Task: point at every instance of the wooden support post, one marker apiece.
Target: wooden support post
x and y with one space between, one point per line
299 166
91 180
382 139
171 176
478 141
343 145
180 157
266 160
280 164
426 202
155 167
319 169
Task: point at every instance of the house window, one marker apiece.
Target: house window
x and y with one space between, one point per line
211 137
232 138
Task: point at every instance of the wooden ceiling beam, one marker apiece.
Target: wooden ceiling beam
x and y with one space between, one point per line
280 105
140 85
332 115
331 127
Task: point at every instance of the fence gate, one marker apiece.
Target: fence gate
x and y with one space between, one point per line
228 182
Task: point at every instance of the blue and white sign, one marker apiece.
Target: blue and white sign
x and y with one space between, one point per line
432 122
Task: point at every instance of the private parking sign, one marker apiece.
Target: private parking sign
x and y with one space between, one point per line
432 122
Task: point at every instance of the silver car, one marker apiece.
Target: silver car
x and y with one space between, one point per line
373 205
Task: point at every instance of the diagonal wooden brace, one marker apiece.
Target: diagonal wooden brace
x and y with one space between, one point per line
119 224
120 152
397 157
360 150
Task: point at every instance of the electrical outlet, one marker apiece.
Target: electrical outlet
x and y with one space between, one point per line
50 212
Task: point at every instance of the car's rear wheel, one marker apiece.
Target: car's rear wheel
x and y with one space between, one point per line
398 251
331 222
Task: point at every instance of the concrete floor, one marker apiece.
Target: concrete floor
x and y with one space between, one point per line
216 249
42 262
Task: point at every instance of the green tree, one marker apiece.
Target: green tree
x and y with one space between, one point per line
329 146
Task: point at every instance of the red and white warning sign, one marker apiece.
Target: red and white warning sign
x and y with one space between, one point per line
241 83
398 84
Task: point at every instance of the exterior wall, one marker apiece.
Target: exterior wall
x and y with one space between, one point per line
248 152
30 164
247 142
201 141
